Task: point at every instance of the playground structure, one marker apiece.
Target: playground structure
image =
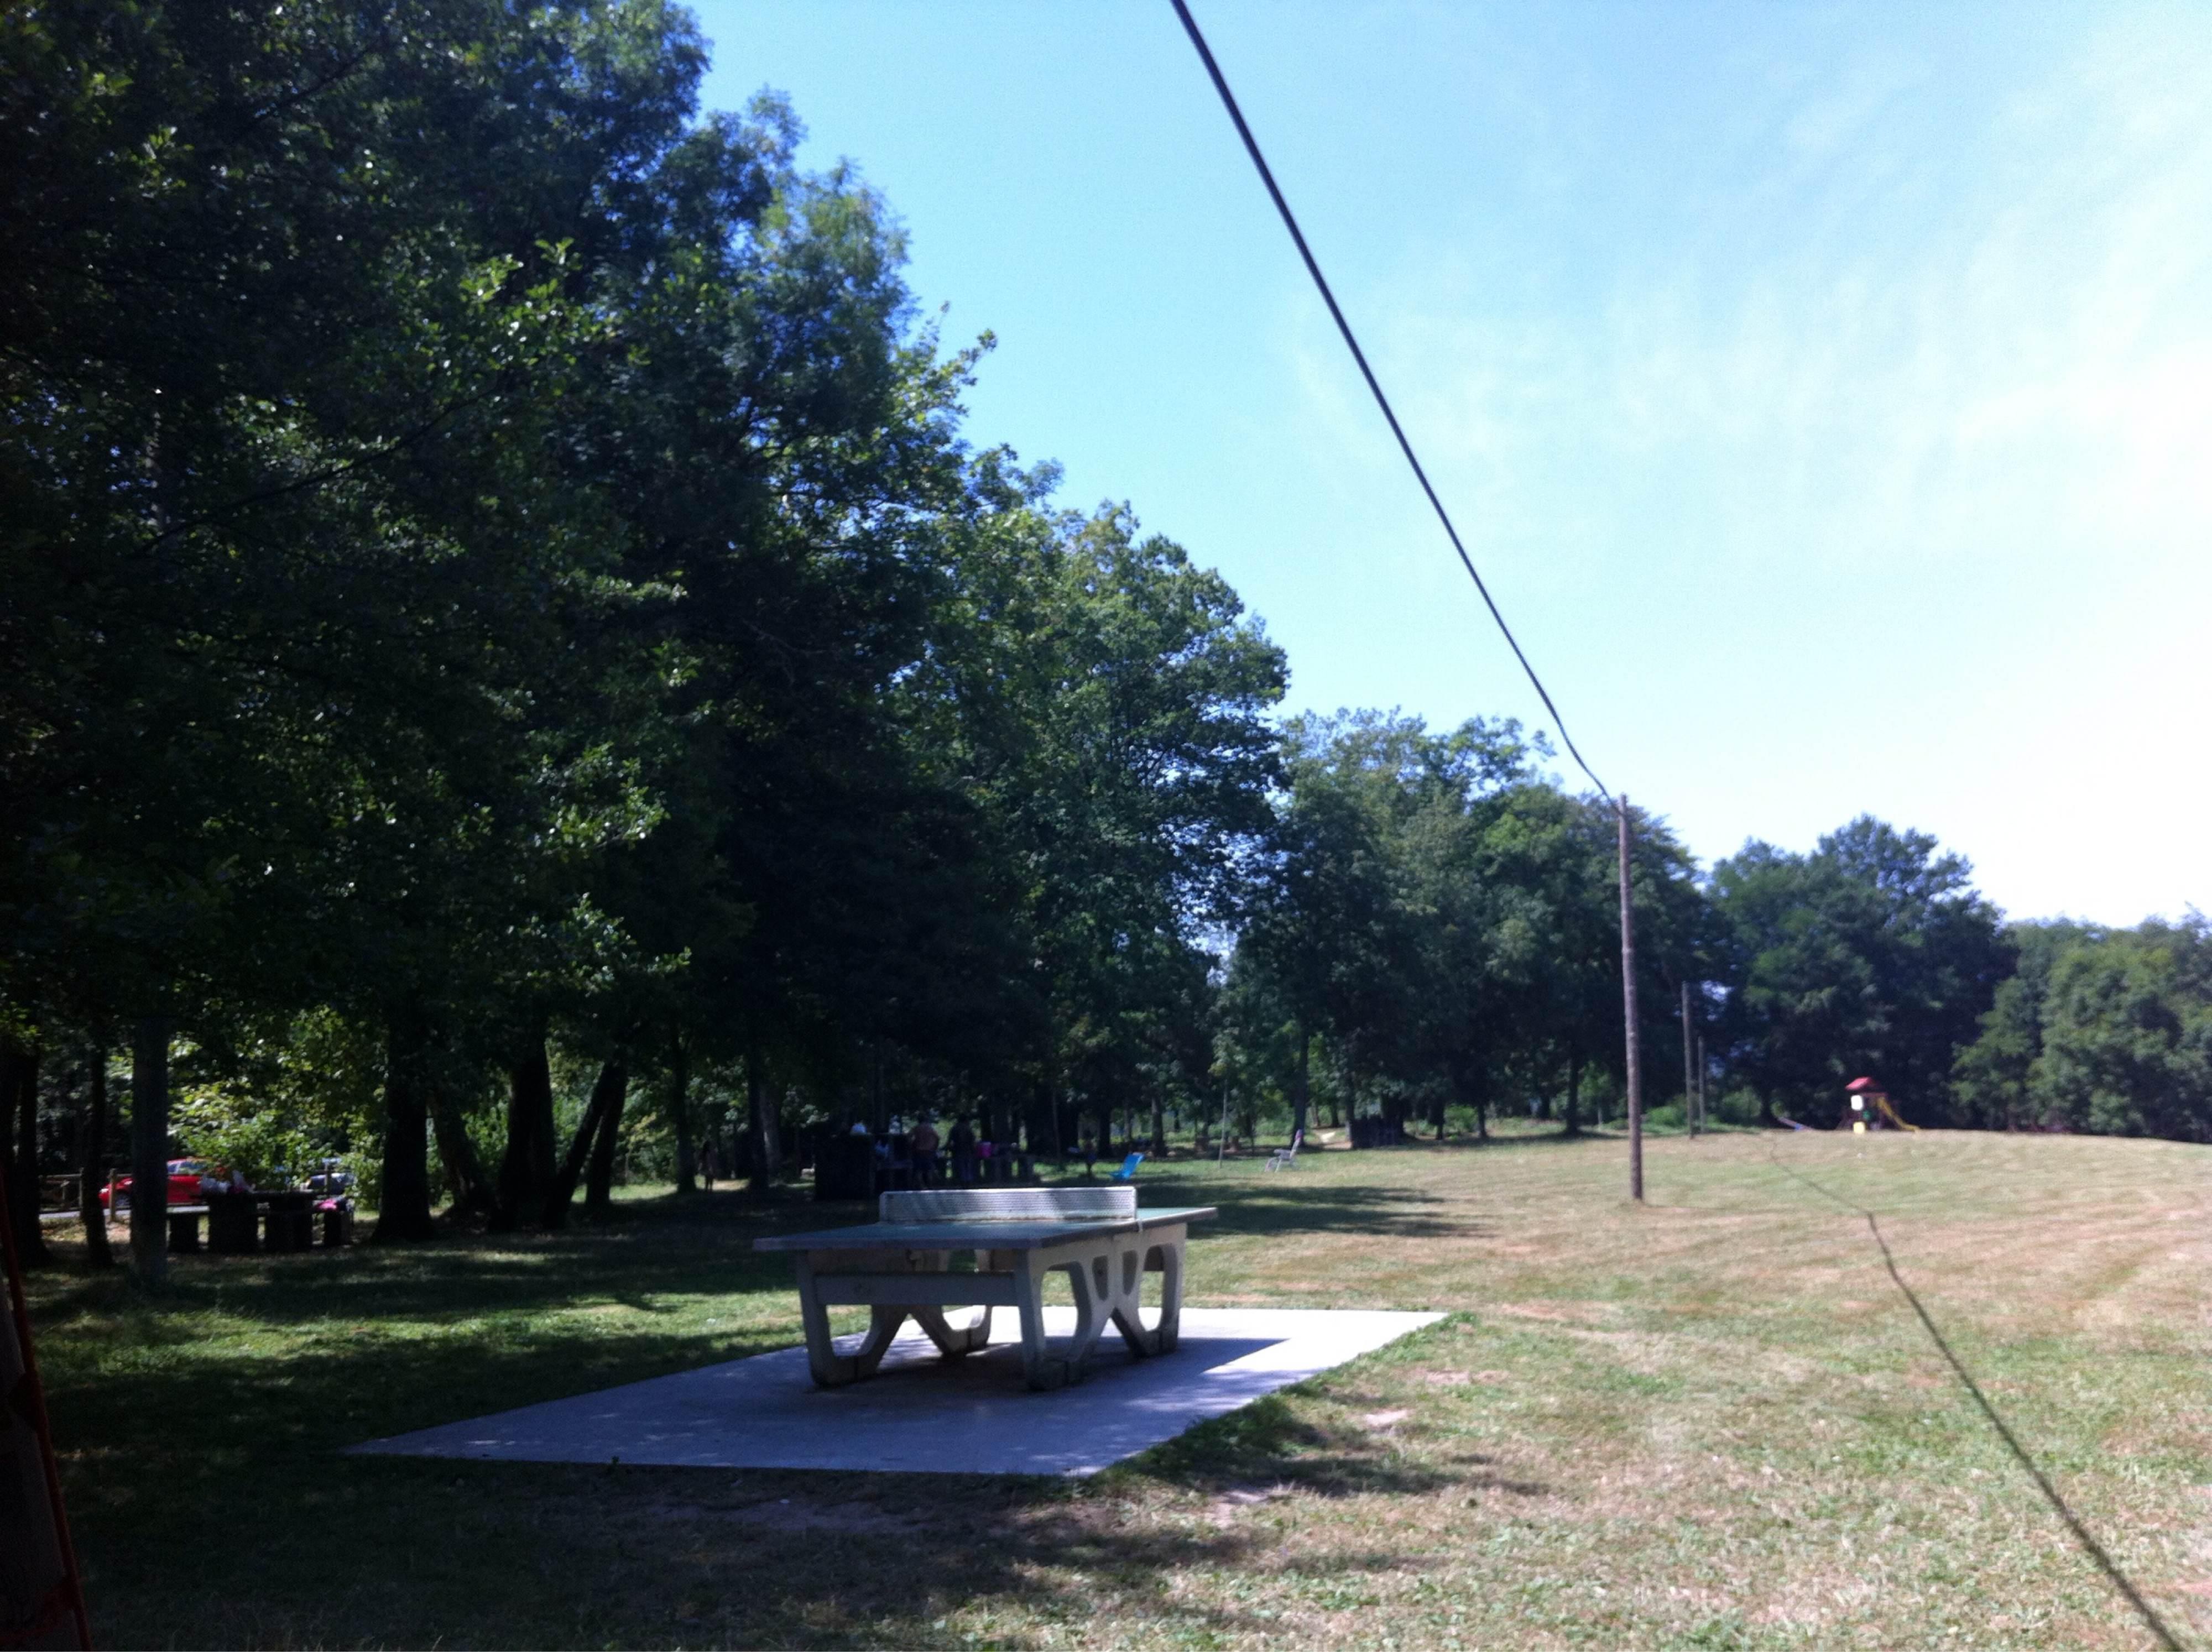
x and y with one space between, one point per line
1869 1106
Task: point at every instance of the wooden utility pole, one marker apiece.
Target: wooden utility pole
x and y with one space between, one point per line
1689 1086
1628 1011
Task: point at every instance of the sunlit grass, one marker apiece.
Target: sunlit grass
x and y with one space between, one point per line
1709 1422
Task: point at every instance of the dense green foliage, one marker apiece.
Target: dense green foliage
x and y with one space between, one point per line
493 561
1443 926
513 664
2104 1030
1872 955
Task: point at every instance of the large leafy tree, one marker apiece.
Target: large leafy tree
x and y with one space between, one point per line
1449 920
336 367
504 566
1872 954
1130 785
1549 863
1990 1077
2101 1030
2127 1034
292 297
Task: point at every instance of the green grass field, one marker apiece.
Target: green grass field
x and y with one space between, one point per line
1711 1422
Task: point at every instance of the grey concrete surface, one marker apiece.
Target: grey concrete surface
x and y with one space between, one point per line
922 1414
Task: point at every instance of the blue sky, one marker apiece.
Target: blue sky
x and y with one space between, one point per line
1826 393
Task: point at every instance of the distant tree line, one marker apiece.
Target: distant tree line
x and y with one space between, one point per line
511 665
1440 931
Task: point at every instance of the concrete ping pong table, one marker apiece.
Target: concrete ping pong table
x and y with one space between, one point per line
900 1265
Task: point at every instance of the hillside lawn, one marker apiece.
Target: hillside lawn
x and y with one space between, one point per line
1711 1422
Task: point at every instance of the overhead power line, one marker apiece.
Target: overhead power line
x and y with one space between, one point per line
1313 268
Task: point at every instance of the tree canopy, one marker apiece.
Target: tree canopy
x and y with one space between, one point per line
503 614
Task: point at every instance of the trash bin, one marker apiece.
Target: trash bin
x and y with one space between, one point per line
291 1222
232 1224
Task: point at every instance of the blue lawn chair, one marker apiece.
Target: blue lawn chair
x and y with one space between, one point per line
1128 1170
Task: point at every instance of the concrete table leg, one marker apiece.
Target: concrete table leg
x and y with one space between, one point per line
831 1368
1106 1273
1093 1271
1042 1371
1159 1252
1165 1258
953 1340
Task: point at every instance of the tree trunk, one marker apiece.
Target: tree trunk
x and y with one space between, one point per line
679 1115
1159 1146
89 1177
526 1171
606 1095
19 1108
10 1081
1574 1091
23 1195
1302 1085
473 1193
150 1150
598 1180
403 1208
1436 1114
761 1122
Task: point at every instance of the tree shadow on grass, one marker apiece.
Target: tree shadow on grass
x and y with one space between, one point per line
655 1252
1281 1205
1500 1139
1102 1550
637 1262
390 1551
1267 1442
212 1505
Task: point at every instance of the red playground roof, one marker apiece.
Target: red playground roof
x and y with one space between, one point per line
1862 1083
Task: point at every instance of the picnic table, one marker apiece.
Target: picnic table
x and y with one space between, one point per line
184 1220
237 1219
899 1266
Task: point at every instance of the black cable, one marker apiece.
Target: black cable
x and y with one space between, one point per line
1290 223
2090 1545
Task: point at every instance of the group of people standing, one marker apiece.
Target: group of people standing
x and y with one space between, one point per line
926 1150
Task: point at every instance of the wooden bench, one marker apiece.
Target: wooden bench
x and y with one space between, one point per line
899 1266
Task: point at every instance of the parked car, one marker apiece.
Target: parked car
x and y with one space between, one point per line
185 1175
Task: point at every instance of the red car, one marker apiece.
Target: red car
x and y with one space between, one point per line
185 1175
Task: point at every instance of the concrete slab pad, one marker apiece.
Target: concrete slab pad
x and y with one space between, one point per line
922 1414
